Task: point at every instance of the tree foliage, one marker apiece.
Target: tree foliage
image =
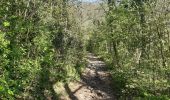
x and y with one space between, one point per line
38 47
134 41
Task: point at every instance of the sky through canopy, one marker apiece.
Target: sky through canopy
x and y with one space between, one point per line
89 0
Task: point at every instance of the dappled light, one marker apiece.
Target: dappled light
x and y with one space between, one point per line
84 50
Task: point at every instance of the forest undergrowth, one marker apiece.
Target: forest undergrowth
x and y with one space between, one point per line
134 41
43 42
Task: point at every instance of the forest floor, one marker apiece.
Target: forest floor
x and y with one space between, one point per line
95 83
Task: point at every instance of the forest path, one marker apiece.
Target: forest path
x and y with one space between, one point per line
95 83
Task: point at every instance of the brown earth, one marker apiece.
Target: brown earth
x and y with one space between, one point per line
95 83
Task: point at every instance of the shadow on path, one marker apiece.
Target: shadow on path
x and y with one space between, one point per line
95 83
70 93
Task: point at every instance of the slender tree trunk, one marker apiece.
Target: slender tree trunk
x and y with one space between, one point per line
116 54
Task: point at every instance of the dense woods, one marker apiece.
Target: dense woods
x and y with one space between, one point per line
40 44
134 41
44 41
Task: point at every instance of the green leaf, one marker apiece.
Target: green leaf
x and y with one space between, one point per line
6 24
1 88
10 92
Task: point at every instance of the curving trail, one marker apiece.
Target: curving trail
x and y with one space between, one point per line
95 83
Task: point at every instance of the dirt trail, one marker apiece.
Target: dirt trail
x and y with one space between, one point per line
94 84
